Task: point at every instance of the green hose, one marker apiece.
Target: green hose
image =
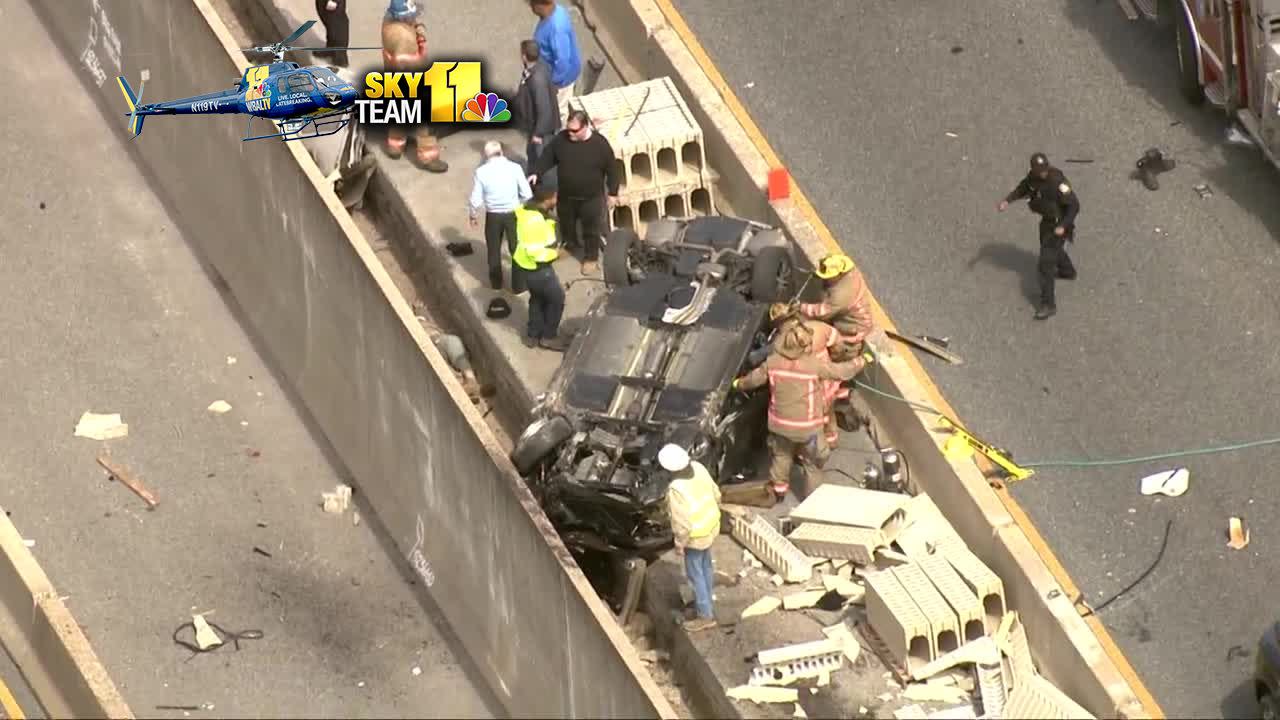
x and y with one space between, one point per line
1089 463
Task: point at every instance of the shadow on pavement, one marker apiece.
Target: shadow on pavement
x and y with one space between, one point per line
1240 702
1145 54
1016 259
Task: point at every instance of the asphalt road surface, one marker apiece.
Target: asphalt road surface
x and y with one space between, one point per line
107 309
1165 342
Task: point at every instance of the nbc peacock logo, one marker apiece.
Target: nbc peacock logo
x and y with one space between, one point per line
486 108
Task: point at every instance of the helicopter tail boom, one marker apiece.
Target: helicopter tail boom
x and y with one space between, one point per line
135 119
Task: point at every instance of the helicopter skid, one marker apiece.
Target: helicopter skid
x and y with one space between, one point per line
320 126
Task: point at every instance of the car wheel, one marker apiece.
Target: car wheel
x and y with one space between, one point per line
771 275
1267 709
617 256
1188 72
538 441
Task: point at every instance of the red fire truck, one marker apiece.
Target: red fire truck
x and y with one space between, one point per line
1228 53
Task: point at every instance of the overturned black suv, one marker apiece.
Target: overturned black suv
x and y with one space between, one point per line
686 305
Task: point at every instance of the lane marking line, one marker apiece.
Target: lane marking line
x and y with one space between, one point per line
9 704
682 30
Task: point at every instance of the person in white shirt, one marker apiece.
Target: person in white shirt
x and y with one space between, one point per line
500 187
693 499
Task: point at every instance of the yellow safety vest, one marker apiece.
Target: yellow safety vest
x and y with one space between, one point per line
535 236
697 503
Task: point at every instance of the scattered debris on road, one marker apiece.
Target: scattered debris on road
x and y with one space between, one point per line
951 134
115 472
1204 191
416 671
261 552
1238 534
28 543
1172 483
231 359
101 426
219 407
338 501
206 638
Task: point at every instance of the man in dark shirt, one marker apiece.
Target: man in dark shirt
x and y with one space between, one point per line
1050 196
536 111
586 170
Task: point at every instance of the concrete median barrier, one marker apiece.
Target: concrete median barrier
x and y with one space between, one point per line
1066 648
46 643
346 342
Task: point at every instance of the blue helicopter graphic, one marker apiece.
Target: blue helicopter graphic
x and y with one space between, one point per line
295 98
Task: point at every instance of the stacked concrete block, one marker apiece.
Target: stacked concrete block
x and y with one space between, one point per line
896 618
984 583
844 505
944 629
659 152
837 542
962 600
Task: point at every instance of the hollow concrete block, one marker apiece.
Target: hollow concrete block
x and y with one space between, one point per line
841 542
944 629
984 583
896 618
958 595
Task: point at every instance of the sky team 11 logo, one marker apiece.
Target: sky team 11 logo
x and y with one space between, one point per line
447 92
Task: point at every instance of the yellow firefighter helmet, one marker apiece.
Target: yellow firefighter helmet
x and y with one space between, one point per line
834 266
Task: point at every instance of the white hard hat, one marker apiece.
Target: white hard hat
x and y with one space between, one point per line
673 458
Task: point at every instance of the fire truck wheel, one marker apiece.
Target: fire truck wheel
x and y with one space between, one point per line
1188 70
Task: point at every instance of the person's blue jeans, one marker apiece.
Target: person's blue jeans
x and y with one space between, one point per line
697 565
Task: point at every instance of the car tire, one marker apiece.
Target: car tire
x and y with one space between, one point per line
1267 707
538 441
1188 72
617 256
771 275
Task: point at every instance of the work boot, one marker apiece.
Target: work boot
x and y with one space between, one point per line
1046 311
700 624
555 344
434 165
530 342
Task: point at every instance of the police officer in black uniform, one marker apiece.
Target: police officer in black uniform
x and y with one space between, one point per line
1051 197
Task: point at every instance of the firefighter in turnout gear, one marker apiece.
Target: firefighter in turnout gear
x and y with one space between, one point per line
798 405
404 48
847 304
1050 196
824 341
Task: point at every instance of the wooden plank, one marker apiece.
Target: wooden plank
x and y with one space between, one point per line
128 481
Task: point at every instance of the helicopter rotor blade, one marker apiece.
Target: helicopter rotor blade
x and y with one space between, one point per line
297 33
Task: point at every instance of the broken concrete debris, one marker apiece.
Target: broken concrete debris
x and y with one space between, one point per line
784 665
925 692
338 501
219 407
763 606
803 599
763 694
105 426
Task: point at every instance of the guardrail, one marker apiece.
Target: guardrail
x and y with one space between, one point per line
45 642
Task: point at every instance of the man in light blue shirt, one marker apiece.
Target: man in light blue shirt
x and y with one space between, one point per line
500 187
558 44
